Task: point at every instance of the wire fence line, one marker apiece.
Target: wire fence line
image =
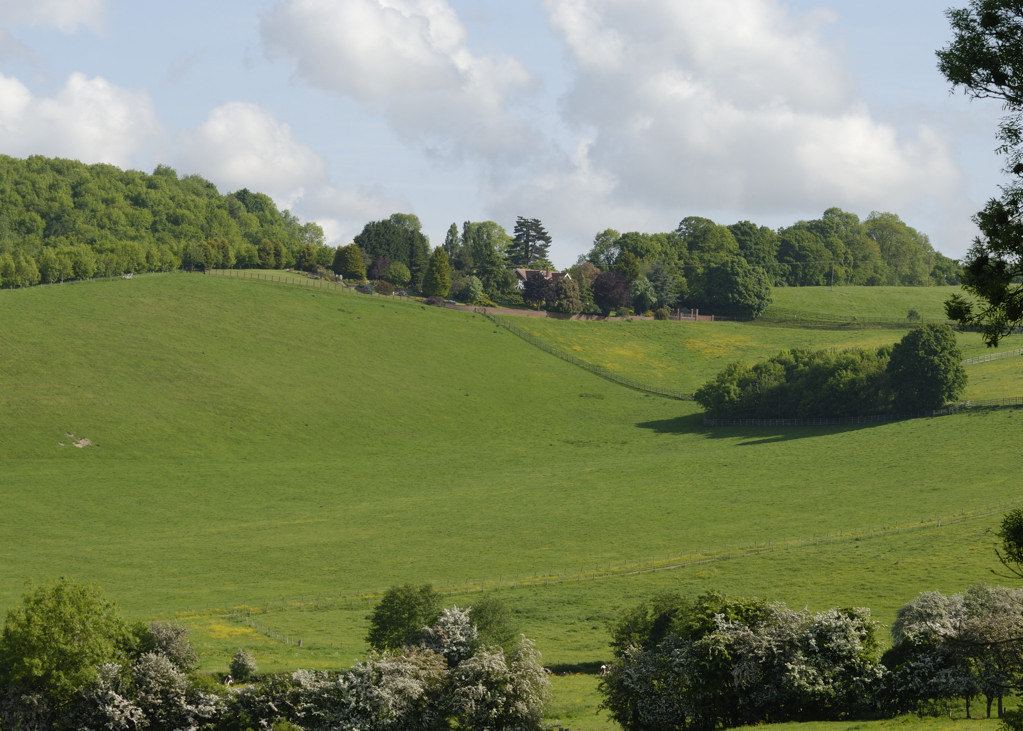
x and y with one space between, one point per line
592 368
992 356
248 614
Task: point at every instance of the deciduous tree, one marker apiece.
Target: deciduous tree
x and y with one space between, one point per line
398 620
925 370
54 641
984 61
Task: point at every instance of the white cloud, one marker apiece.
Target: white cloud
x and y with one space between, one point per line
711 106
346 211
240 145
407 60
65 15
89 119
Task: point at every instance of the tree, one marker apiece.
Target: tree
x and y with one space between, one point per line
397 274
485 244
243 666
925 370
627 264
53 643
567 298
349 263
538 290
1010 536
437 280
715 662
491 690
642 294
398 620
530 242
983 60
734 288
605 249
610 291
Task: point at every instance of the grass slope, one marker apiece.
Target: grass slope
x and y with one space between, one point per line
287 451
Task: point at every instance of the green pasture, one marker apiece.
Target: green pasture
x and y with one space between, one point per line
682 356
265 459
865 303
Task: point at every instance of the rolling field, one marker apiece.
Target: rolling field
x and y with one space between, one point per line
289 453
865 302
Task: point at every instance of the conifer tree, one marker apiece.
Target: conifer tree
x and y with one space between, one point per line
437 280
530 243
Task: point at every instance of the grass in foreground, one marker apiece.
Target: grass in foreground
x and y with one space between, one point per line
267 447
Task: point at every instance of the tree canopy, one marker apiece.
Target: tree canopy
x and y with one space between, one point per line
985 61
62 219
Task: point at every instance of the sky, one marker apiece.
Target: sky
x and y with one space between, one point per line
586 114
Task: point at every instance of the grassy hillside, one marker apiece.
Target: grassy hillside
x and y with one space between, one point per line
682 356
291 451
865 302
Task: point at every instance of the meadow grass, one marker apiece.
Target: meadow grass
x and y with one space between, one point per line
682 356
885 303
288 453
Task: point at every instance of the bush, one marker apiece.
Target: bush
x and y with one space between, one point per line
384 287
661 313
435 301
365 288
243 666
398 620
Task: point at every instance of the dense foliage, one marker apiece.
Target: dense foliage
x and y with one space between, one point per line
62 220
921 372
68 661
957 647
729 270
400 239
713 661
983 60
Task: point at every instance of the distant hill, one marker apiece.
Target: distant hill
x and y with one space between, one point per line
62 220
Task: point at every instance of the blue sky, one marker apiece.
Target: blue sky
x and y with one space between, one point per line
587 114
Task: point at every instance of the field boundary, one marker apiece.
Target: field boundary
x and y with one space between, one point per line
245 613
592 368
788 315
992 356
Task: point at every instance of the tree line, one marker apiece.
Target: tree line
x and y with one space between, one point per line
62 220
69 661
728 270
920 373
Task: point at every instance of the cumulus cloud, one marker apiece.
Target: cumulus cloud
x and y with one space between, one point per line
721 105
65 15
240 145
408 61
342 212
89 119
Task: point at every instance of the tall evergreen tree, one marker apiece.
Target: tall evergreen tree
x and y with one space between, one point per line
452 243
530 243
437 280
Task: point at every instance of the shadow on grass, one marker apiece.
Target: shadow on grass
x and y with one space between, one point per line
578 668
751 435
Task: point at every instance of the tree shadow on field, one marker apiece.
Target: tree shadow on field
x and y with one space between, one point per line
750 435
